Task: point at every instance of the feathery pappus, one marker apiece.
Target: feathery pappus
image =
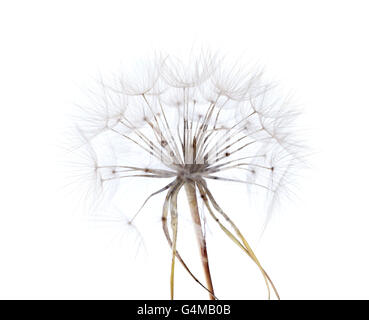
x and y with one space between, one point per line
193 123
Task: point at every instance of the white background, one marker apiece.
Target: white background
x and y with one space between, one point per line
316 246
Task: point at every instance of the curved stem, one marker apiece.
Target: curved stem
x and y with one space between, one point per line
246 247
192 201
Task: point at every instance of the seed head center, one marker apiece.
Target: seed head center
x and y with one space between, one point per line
191 171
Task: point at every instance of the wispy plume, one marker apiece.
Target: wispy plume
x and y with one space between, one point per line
188 123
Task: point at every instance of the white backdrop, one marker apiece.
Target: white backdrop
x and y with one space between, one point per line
317 244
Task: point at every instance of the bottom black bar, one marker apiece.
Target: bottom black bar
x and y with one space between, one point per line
180 309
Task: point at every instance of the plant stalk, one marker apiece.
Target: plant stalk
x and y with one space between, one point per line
192 201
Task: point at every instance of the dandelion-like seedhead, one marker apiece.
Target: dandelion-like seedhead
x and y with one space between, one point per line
192 123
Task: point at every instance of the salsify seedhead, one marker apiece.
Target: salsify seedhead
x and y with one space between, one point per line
191 123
